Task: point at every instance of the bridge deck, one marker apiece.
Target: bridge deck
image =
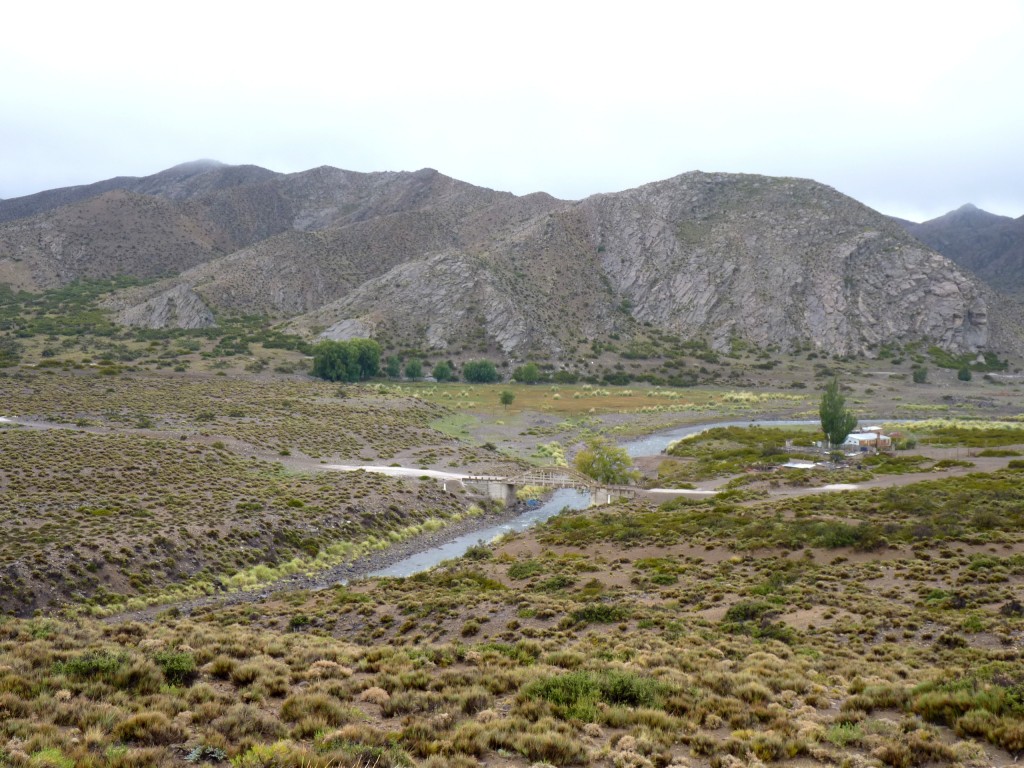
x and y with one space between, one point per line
554 477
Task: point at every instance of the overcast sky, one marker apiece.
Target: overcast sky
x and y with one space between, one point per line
911 107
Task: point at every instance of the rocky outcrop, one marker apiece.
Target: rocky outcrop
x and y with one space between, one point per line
778 262
177 307
453 300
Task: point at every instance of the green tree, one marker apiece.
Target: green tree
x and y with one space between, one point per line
919 374
414 369
332 360
480 372
367 355
836 421
964 374
350 360
442 371
606 462
394 367
527 374
506 397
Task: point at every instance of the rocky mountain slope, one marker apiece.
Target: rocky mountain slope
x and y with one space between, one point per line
178 183
988 245
423 260
773 261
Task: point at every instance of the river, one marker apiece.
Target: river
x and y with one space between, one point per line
654 444
564 498
559 500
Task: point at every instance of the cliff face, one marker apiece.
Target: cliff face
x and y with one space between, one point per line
428 261
776 262
781 262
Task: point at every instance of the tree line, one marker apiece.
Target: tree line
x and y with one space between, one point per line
360 359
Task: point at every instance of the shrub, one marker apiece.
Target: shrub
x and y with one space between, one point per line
527 374
599 613
96 664
442 372
478 551
179 668
314 705
149 728
525 569
414 369
576 694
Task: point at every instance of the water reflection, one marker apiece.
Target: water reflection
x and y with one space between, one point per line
560 499
652 445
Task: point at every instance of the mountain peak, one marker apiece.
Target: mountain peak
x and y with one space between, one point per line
204 163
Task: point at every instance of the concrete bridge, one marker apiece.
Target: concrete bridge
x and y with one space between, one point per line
503 488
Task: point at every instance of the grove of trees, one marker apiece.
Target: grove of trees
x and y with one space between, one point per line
352 360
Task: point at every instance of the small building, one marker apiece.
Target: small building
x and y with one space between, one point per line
868 439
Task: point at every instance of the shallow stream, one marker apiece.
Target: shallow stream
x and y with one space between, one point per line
559 500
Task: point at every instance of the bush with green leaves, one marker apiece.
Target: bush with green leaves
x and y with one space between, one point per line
527 374
178 667
414 369
443 372
606 462
479 372
393 367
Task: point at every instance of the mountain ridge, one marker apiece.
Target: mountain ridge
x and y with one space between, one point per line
420 259
987 244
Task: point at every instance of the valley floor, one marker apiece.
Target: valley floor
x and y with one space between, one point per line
775 621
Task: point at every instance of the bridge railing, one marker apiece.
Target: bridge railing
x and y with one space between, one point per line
556 477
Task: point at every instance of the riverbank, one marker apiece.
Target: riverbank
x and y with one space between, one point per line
346 573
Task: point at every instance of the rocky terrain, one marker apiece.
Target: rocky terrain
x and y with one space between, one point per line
990 246
420 260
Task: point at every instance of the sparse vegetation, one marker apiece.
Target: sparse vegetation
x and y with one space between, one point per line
874 626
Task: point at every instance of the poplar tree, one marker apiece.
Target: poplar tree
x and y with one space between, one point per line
836 421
